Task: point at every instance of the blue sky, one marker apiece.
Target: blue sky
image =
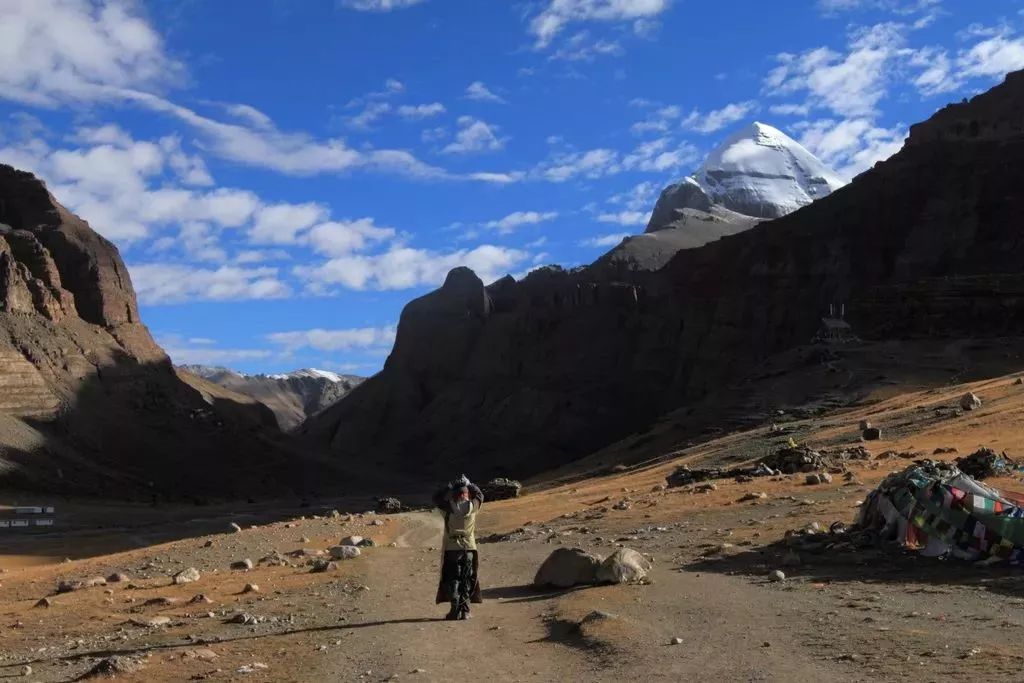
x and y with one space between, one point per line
283 177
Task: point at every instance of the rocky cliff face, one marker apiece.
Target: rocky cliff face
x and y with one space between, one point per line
293 397
90 403
520 376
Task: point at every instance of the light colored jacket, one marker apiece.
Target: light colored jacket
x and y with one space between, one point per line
460 525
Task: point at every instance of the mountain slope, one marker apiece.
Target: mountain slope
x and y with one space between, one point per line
293 397
91 404
520 376
757 173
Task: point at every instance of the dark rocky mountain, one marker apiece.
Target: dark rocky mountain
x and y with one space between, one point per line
517 377
90 403
293 396
757 173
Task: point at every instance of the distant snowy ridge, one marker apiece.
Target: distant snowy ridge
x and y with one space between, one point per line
293 396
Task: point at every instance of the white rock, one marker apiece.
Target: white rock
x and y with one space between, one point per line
344 552
624 566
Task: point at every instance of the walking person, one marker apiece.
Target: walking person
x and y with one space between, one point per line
459 502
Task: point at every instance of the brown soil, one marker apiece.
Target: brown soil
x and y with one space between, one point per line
873 614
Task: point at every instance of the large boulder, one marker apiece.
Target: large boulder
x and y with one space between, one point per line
970 401
501 489
389 505
624 566
567 567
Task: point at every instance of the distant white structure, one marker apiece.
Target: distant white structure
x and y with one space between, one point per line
26 517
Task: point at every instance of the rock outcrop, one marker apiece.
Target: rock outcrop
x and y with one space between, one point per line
90 403
517 377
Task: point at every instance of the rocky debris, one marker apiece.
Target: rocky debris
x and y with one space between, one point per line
676 641
243 618
1018 381
200 599
794 459
274 559
705 488
69 586
251 668
776 576
944 451
567 567
389 506
818 478
367 543
251 588
872 434
985 463
26 670
352 540
117 577
318 566
152 622
759 495
622 505
624 566
186 576
865 424
344 552
160 602
501 488
970 401
117 665
684 476
242 565
234 527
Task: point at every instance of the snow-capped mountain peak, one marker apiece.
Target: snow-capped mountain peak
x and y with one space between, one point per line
762 172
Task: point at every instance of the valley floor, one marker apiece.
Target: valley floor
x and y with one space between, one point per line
867 614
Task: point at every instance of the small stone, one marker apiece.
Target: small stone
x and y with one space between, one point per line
186 576
776 576
351 540
760 495
161 602
871 434
243 618
677 641
242 565
319 566
117 577
304 539
251 588
154 622
200 599
69 586
234 527
44 602
26 670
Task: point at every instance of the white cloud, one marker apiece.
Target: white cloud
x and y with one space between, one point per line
52 51
605 241
560 13
659 121
421 111
339 238
790 109
591 164
481 93
718 119
639 197
405 267
653 156
850 84
163 283
580 48
200 351
474 135
851 146
626 217
377 5
282 223
250 115
1000 52
335 340
370 114
518 219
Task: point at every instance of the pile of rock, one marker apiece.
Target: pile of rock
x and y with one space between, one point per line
985 463
794 459
568 567
389 506
501 489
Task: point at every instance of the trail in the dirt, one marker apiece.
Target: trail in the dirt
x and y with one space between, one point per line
519 634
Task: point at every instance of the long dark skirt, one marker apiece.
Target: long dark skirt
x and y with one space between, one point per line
450 571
